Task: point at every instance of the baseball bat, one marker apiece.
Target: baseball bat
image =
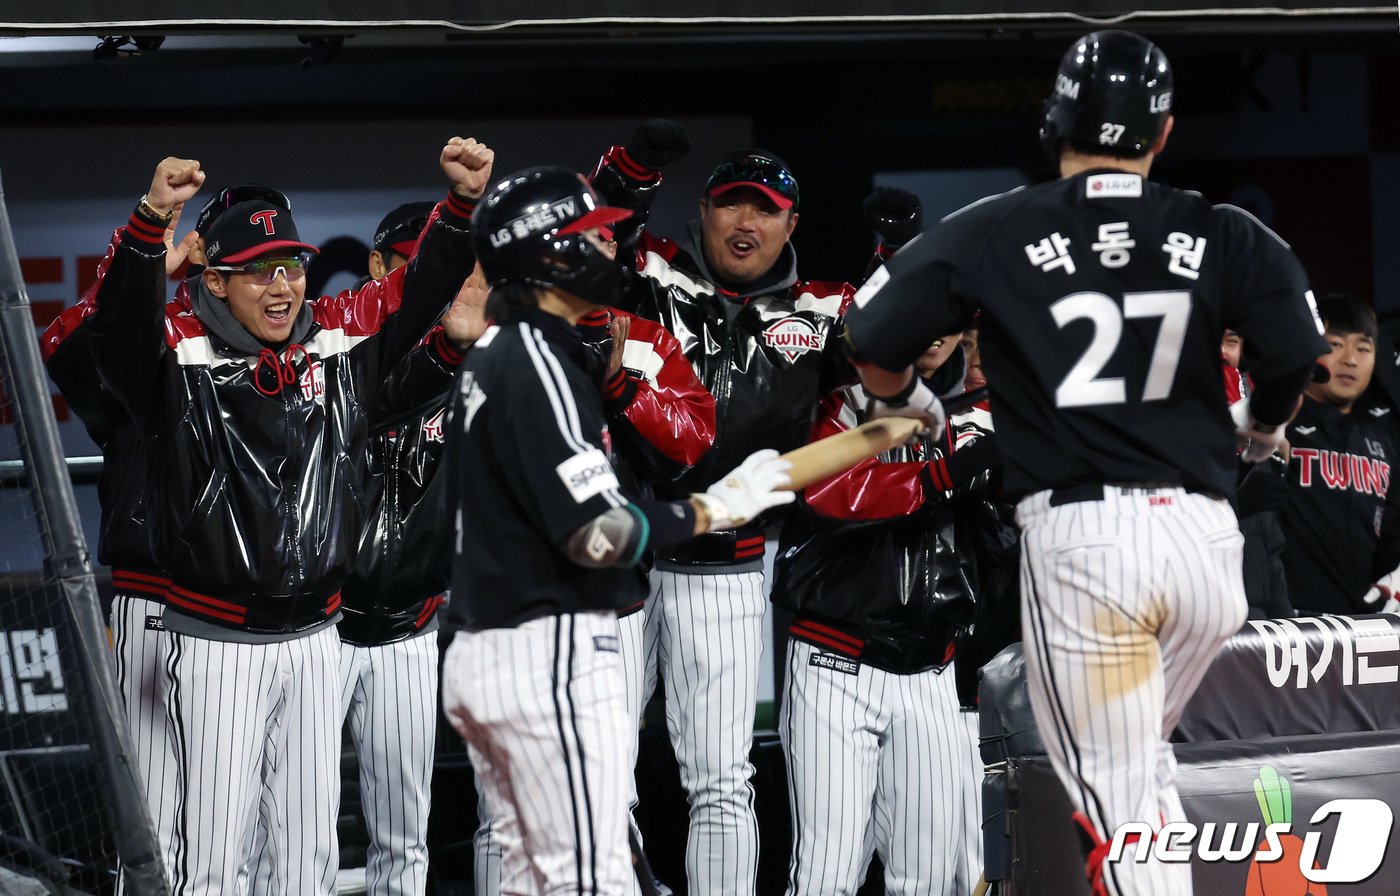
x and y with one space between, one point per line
646 880
826 457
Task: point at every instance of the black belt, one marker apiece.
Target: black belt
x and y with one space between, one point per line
1094 491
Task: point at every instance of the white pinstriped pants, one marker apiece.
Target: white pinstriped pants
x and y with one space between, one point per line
706 632
255 729
140 652
879 762
486 847
1125 602
541 708
389 698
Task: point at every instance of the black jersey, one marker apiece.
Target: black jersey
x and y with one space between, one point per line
1103 297
1342 525
527 465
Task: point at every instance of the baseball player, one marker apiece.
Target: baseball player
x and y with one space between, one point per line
1113 428
767 345
661 420
389 603
259 452
879 580
396 236
139 586
546 539
1341 523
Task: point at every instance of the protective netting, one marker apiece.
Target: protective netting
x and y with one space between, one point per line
52 823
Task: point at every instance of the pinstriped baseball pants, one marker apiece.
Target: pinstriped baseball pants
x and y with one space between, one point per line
389 698
255 728
706 633
541 709
140 650
1125 602
486 847
878 762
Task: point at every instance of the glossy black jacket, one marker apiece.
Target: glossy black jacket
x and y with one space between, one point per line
259 464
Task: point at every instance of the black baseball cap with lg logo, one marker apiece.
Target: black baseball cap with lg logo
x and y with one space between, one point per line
250 229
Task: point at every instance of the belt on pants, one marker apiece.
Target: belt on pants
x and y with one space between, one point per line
1094 491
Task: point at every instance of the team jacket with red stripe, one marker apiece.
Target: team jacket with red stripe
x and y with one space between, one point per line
258 484
122 542
767 357
660 418
872 567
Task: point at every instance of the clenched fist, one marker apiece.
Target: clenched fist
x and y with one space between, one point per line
467 164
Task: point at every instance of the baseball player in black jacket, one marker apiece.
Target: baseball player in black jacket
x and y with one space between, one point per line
1102 299
256 405
124 545
1341 524
389 602
767 345
878 572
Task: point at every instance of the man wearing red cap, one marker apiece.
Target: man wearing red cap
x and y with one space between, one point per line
257 406
766 344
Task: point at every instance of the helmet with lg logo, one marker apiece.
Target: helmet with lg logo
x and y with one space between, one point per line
1113 95
529 228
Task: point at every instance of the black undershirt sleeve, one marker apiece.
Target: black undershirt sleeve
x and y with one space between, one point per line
1272 401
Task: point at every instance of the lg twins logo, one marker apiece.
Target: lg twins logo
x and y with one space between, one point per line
793 336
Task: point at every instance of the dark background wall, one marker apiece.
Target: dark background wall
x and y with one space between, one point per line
1299 125
1293 119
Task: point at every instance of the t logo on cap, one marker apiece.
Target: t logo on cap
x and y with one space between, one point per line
250 229
264 217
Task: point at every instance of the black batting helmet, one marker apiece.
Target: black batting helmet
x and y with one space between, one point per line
1113 92
529 229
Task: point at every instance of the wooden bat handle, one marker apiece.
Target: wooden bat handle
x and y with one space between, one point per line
826 457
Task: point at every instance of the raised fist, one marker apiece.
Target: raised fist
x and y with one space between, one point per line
467 163
175 182
895 214
658 142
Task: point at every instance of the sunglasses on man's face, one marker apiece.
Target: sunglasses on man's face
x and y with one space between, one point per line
755 170
264 271
231 196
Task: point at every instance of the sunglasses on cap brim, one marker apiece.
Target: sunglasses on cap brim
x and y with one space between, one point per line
230 196
766 174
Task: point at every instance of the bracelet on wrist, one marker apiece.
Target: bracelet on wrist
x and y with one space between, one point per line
150 211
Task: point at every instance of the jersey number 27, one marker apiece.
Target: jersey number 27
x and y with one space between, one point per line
1083 385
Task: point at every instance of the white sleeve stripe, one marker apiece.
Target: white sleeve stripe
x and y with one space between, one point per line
561 383
561 400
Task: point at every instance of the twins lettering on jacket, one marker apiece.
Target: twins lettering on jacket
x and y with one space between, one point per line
794 336
1343 471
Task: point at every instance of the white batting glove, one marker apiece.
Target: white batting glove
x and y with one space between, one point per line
1259 442
1255 441
748 490
920 404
